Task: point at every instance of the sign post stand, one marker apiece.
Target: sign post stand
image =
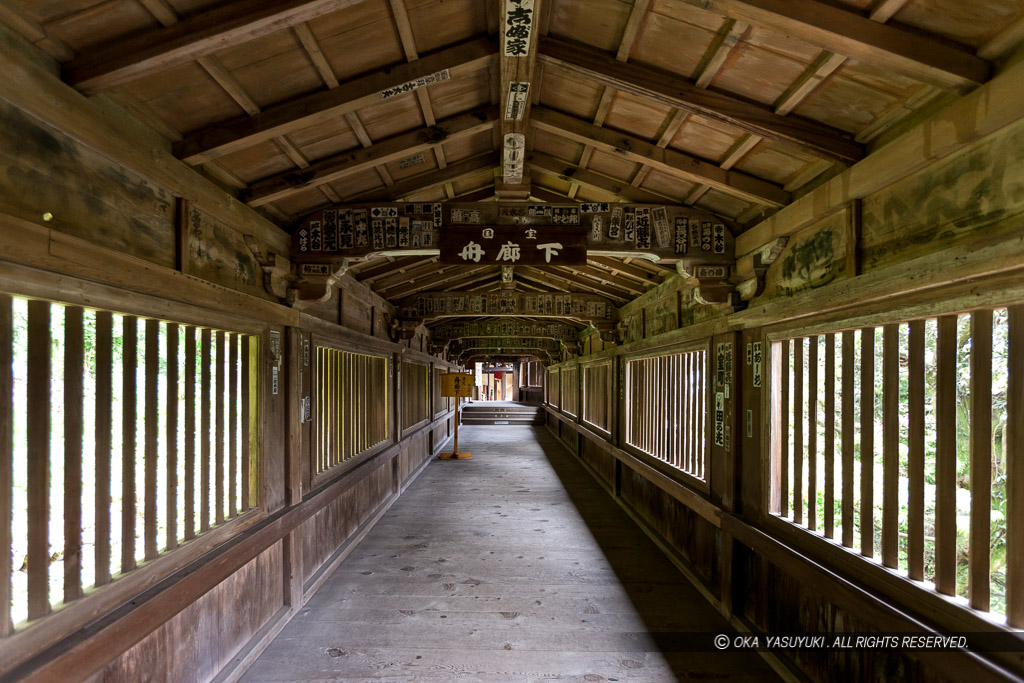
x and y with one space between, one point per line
456 385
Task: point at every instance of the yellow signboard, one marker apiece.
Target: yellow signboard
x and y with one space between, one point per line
457 385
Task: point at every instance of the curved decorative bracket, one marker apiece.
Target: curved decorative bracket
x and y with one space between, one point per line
333 279
276 269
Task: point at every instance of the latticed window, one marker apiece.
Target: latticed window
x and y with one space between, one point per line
666 409
121 438
892 440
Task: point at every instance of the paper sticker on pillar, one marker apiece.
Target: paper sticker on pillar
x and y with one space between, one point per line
519 245
515 105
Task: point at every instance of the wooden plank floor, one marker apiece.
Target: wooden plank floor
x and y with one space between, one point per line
491 570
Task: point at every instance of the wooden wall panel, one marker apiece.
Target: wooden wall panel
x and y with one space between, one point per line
218 253
600 462
692 537
325 531
44 171
203 638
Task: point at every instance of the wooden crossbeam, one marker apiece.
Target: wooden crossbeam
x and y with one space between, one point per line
416 184
924 58
549 276
160 49
551 304
809 137
348 163
669 161
457 277
571 172
327 105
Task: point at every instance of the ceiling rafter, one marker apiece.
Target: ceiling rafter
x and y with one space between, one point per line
573 281
316 55
167 16
163 48
324 106
408 40
921 57
605 277
807 136
371 269
337 166
571 172
629 36
616 266
670 161
453 278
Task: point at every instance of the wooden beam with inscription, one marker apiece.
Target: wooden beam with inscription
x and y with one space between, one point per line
502 328
657 233
325 106
348 163
930 60
675 91
670 161
584 307
518 59
202 34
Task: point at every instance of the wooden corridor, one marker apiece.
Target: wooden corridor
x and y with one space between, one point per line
514 565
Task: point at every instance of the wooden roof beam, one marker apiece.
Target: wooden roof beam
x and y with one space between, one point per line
461 276
807 136
551 278
572 173
426 181
669 161
924 58
604 277
518 61
327 105
157 50
616 266
348 163
368 271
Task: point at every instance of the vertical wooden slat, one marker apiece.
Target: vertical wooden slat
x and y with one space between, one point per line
830 435
218 486
233 375
798 431
129 420
104 440
812 434
915 448
847 437
1015 469
247 418
6 458
945 458
171 493
783 426
74 396
981 460
867 442
38 434
689 428
890 444
189 520
204 430
152 370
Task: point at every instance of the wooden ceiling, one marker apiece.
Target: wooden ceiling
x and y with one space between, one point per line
732 106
